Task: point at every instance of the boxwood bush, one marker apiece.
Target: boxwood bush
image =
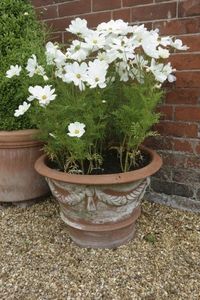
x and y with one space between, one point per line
21 35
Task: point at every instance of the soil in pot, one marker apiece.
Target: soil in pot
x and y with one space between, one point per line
111 163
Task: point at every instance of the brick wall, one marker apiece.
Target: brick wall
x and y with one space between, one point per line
179 127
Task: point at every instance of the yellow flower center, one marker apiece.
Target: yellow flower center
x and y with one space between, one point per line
44 97
97 79
94 41
78 47
37 71
78 76
76 131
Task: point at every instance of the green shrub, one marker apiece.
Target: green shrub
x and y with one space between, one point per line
21 35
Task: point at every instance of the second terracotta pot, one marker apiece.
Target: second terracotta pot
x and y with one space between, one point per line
19 181
100 210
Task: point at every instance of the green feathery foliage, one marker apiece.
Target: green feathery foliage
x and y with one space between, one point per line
118 117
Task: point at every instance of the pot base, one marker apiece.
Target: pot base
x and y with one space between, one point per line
109 235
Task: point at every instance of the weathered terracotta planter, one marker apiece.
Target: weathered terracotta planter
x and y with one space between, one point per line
100 210
18 179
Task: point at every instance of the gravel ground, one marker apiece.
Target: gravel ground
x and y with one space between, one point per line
38 261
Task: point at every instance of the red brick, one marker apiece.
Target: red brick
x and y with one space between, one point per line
58 24
106 4
177 129
188 79
193 162
192 41
159 143
183 96
96 18
39 3
135 2
56 37
187 113
163 0
197 148
67 37
124 14
182 146
47 12
185 176
189 8
154 12
74 8
148 25
93 20
173 27
166 112
175 160
185 61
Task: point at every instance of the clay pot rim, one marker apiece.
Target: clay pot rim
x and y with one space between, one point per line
151 168
19 138
18 135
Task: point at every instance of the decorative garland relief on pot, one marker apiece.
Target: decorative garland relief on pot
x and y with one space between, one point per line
111 195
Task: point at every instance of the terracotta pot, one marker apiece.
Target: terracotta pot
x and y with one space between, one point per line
18 179
100 210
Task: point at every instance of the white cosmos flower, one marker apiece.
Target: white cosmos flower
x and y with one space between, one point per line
97 71
31 98
140 61
171 78
77 74
163 53
76 129
157 70
50 53
79 27
162 72
54 55
22 109
149 44
114 27
60 58
139 33
167 70
77 51
63 73
121 48
165 41
178 44
43 94
13 71
104 56
137 73
59 72
122 69
34 68
95 40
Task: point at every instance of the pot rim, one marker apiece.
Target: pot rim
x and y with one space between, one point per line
17 135
151 168
19 138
